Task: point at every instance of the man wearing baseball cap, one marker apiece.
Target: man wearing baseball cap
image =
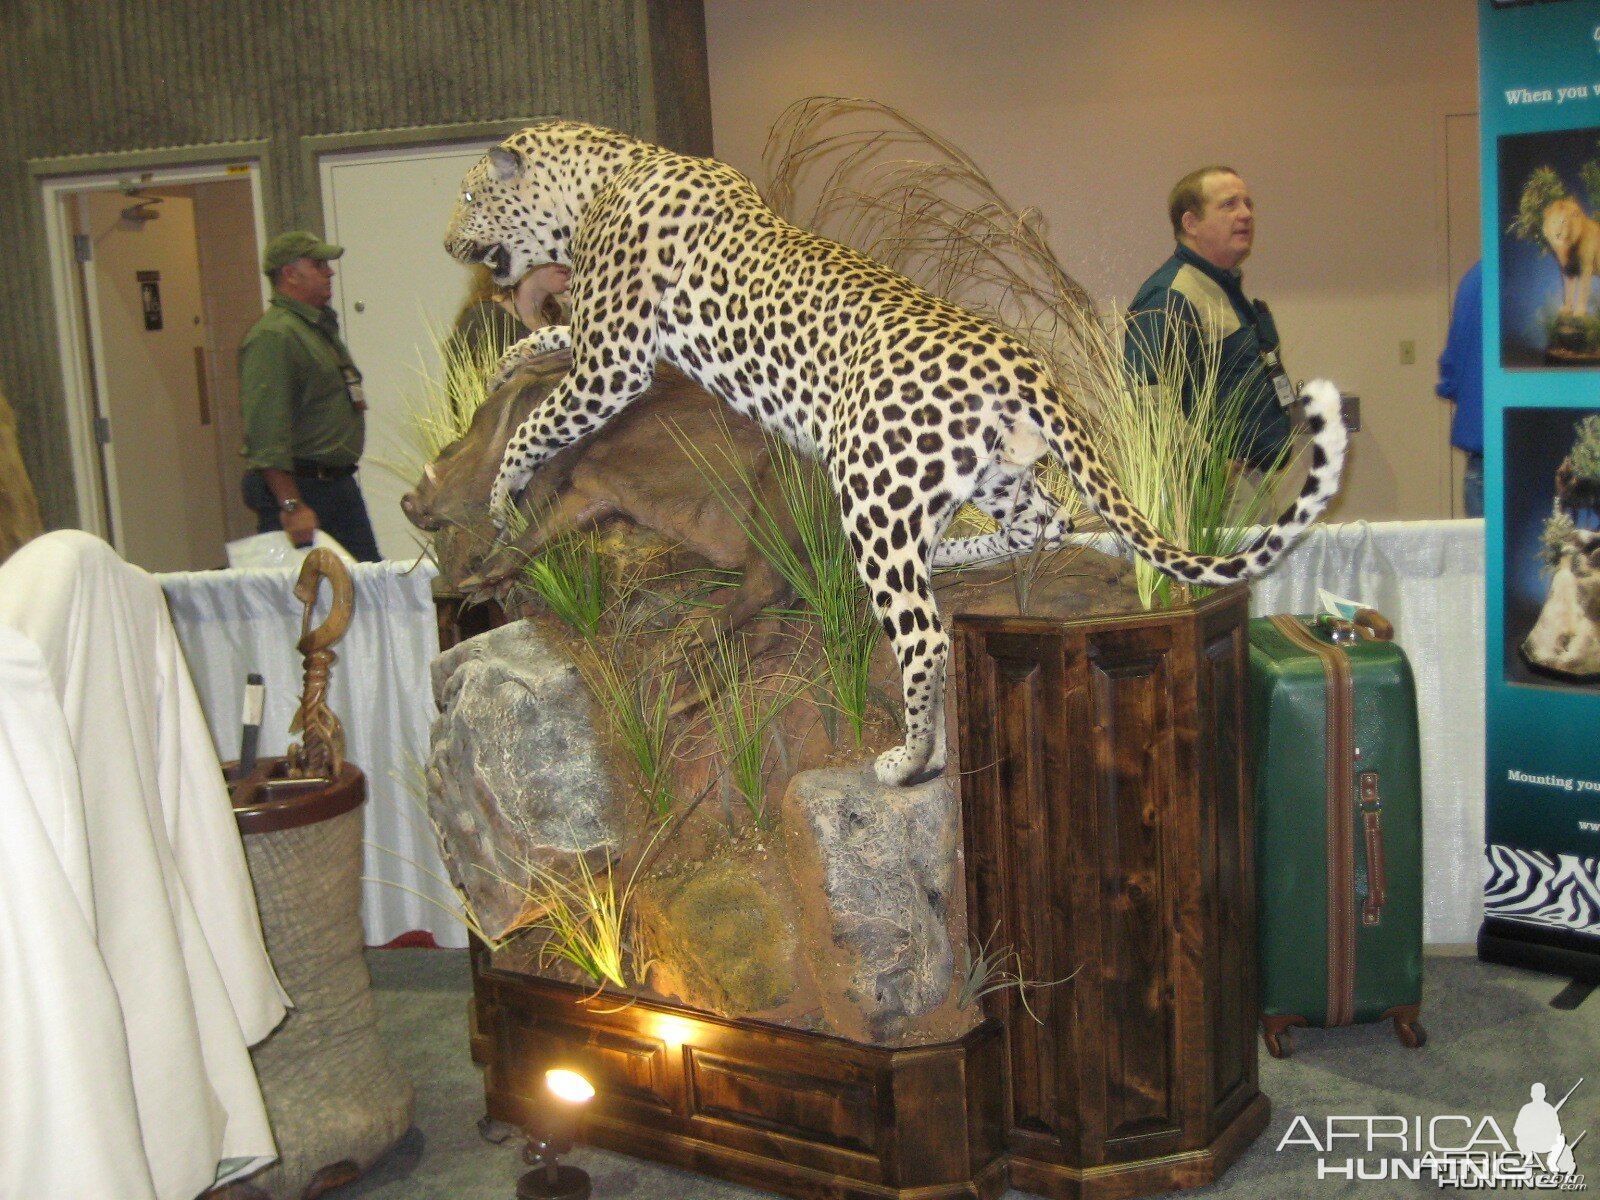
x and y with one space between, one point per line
303 404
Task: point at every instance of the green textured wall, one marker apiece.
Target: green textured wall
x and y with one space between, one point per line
108 77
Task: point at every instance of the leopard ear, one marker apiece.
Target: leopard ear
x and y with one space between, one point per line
507 163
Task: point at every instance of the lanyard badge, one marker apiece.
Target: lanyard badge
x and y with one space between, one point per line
352 384
1273 365
1271 361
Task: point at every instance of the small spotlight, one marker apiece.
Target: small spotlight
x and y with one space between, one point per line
569 1086
549 1179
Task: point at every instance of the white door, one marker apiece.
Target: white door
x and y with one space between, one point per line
142 282
397 293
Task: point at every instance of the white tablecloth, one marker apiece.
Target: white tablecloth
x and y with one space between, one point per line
234 622
1426 576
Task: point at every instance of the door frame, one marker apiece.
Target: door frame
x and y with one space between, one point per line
94 473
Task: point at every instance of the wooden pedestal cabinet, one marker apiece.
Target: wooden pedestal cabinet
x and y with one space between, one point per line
1108 830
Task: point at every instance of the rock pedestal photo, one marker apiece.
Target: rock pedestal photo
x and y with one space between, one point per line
1063 919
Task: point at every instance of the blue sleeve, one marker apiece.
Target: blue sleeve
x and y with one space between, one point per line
1465 338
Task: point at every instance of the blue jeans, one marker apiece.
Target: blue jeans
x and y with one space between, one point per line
337 502
1472 486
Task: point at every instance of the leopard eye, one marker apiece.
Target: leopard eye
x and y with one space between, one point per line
467 197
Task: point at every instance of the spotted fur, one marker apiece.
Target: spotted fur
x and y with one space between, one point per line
912 405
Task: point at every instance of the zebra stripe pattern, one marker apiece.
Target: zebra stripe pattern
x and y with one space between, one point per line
1552 889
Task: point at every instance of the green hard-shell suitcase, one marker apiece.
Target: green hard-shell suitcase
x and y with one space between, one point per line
1338 826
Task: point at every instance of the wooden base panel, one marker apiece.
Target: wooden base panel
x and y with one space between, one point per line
754 1170
803 1114
1119 1181
1109 834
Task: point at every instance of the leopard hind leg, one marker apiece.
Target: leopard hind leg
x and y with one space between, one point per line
898 581
1029 520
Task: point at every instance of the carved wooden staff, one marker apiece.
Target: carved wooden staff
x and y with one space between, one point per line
321 753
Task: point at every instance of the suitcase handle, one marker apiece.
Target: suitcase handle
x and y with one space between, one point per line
1373 625
1372 829
1368 625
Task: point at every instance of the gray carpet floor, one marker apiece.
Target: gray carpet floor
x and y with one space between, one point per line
1491 1034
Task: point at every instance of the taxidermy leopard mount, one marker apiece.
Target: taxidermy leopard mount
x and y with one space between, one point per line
912 405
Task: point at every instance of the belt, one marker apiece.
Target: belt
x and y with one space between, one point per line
323 470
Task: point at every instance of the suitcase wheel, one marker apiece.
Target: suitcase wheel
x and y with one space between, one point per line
1275 1032
1279 1045
1411 1034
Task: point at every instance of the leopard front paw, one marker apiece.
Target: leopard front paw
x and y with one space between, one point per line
500 509
1059 527
501 375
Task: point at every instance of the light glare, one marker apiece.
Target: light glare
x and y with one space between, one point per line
569 1086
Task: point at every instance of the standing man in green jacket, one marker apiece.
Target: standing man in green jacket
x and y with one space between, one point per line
303 406
1194 305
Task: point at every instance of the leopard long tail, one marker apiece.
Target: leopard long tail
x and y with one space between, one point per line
1065 434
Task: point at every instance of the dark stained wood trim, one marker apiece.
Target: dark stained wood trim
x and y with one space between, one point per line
265 802
805 1114
1107 824
1120 1181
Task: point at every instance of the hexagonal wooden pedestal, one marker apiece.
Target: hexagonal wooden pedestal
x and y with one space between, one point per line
1109 823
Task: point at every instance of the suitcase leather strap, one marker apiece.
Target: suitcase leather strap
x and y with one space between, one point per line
1340 742
1372 831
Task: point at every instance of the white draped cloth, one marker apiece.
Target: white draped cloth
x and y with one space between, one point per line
232 623
133 976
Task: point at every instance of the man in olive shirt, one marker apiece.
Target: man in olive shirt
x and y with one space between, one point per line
1194 305
303 405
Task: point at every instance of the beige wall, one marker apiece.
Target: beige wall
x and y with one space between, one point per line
1090 110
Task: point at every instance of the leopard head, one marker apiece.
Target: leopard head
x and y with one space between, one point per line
521 203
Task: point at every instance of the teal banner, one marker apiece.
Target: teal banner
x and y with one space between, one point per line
1540 81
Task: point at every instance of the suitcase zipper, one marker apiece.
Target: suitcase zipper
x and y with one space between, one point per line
1340 791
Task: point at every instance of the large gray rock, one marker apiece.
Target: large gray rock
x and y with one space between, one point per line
884 859
516 772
